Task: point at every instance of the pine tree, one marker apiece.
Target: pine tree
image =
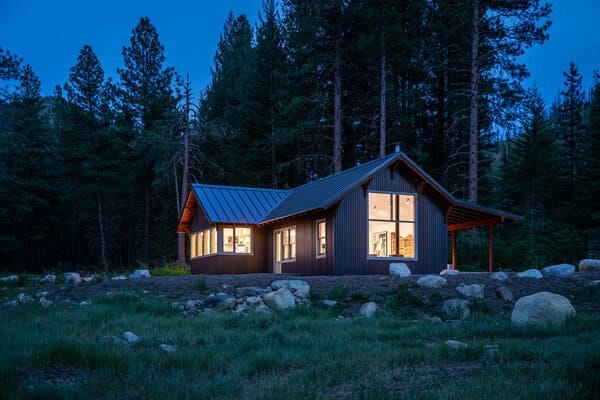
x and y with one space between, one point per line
591 193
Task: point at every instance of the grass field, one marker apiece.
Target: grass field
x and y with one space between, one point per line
71 351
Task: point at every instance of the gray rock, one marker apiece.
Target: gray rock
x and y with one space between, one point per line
168 348
589 265
280 299
48 279
474 290
41 294
449 272
594 283
72 277
85 303
262 309
530 273
119 278
247 291
241 308
432 281
299 288
491 352
499 276
561 270
455 344
220 301
87 278
130 337
140 273
23 298
177 306
457 308
10 278
504 293
329 303
368 309
11 303
45 302
253 301
434 319
542 309
399 270
190 305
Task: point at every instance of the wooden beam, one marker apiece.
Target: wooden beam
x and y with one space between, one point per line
454 255
365 187
490 249
474 224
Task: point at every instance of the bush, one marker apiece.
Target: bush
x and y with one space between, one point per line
338 292
171 269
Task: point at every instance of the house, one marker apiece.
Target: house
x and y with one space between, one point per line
357 221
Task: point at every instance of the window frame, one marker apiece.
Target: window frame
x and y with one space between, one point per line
318 254
234 252
199 238
398 221
289 245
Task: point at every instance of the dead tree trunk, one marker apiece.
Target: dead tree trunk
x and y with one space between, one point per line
382 113
474 115
337 100
101 230
186 169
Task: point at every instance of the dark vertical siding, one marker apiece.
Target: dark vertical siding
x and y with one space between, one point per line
351 228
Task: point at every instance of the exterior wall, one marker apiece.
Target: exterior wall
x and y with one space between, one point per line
351 228
306 262
229 263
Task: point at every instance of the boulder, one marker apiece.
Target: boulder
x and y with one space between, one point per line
10 278
280 299
262 309
491 352
45 302
474 290
119 278
253 301
220 301
329 303
457 308
72 277
530 273
140 273
368 309
168 348
11 303
85 303
499 276
41 294
449 272
594 283
23 298
299 288
246 291
434 319
241 308
455 344
48 279
561 270
432 281
87 278
589 265
130 337
542 309
504 293
399 270
190 305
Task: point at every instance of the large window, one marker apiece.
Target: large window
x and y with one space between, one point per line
285 244
203 243
237 240
321 243
392 225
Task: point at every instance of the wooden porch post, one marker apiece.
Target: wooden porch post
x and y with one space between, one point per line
491 249
454 257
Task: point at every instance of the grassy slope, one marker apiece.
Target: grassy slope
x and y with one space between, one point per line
66 352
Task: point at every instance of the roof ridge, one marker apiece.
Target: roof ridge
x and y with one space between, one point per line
207 185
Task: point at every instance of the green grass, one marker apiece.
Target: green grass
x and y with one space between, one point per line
68 351
171 269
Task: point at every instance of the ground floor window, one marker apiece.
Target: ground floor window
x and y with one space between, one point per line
392 229
285 244
237 240
321 238
203 243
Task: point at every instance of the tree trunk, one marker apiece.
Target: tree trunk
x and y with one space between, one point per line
186 170
382 113
101 230
474 115
337 101
146 218
273 154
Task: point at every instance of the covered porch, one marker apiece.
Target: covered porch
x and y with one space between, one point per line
464 215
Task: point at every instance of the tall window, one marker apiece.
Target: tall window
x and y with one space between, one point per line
237 240
392 225
203 243
285 244
321 243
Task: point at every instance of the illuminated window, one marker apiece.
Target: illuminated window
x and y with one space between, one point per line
392 225
193 245
285 244
237 240
321 244
203 243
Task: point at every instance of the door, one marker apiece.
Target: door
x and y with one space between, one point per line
277 252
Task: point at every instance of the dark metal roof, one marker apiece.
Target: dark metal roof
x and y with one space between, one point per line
229 204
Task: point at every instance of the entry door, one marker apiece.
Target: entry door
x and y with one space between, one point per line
277 252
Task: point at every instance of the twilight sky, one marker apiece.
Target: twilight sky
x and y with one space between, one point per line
49 34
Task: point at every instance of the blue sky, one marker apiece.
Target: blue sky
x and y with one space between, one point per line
49 35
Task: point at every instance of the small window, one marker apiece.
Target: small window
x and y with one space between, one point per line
237 240
193 245
321 242
285 244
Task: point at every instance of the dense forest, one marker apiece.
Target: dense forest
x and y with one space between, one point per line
95 175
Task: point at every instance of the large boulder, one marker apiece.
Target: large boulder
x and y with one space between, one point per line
368 309
542 309
457 308
589 265
220 301
530 273
474 290
449 272
399 270
432 281
559 270
72 277
280 299
140 273
499 276
299 288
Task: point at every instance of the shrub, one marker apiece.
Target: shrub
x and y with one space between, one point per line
202 284
338 292
404 298
171 269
